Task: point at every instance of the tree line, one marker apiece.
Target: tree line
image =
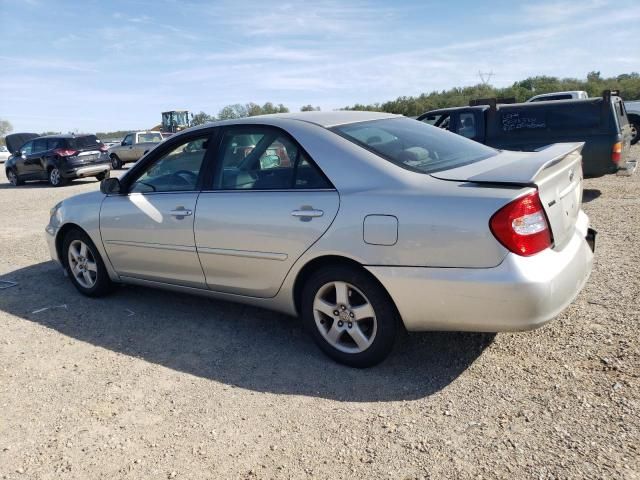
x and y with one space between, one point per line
627 84
251 109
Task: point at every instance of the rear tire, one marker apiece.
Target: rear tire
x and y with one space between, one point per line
116 163
84 265
14 178
55 178
635 131
349 315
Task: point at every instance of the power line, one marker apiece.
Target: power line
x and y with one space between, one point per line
485 77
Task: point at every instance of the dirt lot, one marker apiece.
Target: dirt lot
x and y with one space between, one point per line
149 384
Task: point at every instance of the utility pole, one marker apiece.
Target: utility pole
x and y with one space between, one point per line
485 77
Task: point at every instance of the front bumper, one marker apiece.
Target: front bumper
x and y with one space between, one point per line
86 170
521 293
50 234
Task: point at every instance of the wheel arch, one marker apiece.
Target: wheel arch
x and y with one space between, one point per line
62 232
324 261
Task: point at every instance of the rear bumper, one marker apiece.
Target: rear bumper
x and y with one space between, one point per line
87 170
521 293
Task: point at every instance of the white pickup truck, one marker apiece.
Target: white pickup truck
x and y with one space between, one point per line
133 147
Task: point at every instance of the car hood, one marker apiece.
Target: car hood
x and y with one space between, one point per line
15 140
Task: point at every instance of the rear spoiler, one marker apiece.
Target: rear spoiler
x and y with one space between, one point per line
512 168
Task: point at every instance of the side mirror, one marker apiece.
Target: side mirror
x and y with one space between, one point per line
110 186
122 144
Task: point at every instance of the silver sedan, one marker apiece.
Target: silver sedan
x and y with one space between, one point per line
360 223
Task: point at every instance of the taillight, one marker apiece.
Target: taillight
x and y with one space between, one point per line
64 152
616 153
521 226
103 148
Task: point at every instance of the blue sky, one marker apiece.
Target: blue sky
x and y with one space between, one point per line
105 65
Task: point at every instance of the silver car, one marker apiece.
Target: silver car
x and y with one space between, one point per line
360 223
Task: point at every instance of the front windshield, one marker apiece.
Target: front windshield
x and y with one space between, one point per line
180 118
415 145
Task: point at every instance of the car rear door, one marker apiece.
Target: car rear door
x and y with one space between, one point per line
148 231
267 204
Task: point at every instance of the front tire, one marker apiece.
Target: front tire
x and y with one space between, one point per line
116 163
84 265
55 177
13 178
349 315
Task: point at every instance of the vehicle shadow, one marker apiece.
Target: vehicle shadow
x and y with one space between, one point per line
235 344
45 184
590 194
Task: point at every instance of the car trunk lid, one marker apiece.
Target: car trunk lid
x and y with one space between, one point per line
556 171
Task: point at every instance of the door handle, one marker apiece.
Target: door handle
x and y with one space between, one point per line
181 212
307 212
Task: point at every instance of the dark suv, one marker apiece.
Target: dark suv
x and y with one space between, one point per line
56 158
601 122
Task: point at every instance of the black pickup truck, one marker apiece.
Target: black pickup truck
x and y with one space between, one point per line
601 122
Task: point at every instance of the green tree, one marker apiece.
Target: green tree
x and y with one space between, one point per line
5 127
202 118
628 86
309 108
233 111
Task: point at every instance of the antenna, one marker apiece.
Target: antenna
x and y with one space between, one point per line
485 77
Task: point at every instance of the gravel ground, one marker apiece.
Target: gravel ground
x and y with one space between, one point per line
149 384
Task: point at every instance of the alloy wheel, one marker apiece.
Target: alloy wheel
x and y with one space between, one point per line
82 264
11 176
54 176
344 317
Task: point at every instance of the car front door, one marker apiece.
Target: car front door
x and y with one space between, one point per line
22 157
34 163
126 153
267 204
148 230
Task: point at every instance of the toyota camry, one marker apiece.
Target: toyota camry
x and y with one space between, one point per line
360 223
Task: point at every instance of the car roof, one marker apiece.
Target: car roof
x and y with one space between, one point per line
323 119
68 135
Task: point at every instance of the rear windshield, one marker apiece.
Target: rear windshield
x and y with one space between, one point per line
86 142
415 145
149 137
553 97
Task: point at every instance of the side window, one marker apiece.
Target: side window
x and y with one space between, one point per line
438 120
265 159
128 140
55 143
27 148
467 125
39 145
175 171
309 176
